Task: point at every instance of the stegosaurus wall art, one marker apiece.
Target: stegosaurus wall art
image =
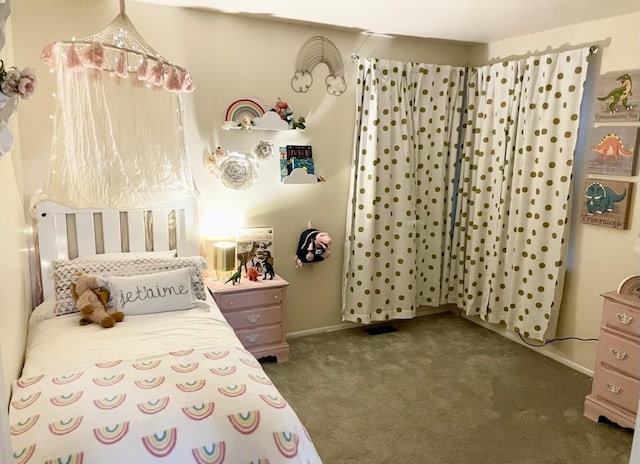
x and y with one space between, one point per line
606 203
618 97
613 150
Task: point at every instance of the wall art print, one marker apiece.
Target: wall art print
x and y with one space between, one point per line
606 203
616 100
613 150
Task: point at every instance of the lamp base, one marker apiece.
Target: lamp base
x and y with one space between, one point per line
223 276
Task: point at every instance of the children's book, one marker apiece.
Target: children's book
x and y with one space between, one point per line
305 163
254 249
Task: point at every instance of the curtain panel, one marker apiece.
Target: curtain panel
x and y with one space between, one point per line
460 189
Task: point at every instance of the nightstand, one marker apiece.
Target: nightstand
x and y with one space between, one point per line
256 311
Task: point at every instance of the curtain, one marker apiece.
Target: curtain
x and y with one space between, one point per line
406 130
460 189
514 189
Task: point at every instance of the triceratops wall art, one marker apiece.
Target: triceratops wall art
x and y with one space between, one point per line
606 203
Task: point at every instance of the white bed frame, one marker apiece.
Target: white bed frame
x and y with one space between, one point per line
66 233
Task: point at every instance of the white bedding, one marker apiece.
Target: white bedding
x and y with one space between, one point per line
176 385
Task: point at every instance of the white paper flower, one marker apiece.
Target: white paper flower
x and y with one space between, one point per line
264 150
237 170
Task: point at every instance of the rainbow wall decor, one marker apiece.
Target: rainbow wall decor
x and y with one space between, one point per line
314 51
251 107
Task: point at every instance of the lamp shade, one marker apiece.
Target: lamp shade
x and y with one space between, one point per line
224 256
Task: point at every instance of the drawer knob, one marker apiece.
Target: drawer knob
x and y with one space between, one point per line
231 303
624 318
253 338
253 318
275 297
619 354
613 388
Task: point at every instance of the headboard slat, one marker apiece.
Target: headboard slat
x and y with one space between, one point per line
85 233
137 232
111 223
160 230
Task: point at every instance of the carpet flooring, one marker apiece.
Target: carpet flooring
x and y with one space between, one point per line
438 390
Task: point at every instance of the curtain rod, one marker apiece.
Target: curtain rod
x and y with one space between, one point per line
593 49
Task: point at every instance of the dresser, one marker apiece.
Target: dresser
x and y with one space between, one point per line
616 378
256 311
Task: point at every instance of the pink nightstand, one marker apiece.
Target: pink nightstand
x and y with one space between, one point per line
256 311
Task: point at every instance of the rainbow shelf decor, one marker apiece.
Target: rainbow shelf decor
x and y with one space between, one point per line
250 107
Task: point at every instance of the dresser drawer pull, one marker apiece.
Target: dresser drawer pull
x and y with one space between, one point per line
276 297
231 303
253 338
613 388
253 318
619 354
624 318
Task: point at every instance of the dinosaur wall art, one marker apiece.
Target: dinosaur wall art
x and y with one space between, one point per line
613 150
606 203
617 96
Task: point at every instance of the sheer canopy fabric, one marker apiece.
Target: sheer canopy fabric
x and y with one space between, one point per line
115 144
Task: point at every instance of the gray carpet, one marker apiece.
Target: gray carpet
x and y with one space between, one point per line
441 390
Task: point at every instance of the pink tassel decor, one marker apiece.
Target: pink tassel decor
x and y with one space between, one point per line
47 55
95 56
186 82
121 66
156 74
143 70
172 81
73 59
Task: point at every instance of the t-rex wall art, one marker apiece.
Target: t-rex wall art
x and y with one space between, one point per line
606 203
616 97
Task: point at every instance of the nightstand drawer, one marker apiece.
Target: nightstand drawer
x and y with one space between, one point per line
619 353
618 389
254 317
621 318
260 336
233 301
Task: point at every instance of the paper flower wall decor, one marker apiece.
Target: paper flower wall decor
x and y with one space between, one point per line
264 150
235 170
17 83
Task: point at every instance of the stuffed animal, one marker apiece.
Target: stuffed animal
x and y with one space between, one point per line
92 295
313 246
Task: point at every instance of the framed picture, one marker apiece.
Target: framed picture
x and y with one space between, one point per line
606 203
615 101
613 150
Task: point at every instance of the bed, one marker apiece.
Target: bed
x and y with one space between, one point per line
168 383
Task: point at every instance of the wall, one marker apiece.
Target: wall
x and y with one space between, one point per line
599 258
232 57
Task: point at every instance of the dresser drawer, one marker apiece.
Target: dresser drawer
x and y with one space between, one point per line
233 301
254 317
260 336
619 353
620 317
618 389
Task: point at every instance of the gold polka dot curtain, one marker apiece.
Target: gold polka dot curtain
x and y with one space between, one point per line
464 204
403 168
512 216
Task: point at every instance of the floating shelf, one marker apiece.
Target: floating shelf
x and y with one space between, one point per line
300 176
269 121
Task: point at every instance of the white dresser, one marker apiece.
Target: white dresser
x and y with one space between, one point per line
616 378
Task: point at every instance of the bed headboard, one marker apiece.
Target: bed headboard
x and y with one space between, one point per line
66 233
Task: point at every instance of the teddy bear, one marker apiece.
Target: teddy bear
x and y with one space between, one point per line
313 246
92 295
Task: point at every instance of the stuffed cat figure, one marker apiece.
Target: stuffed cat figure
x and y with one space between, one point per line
92 295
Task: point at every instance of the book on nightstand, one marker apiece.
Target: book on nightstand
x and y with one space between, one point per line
254 249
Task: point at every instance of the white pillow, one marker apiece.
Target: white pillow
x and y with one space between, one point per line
153 293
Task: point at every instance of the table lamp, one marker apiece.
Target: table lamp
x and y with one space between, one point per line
224 259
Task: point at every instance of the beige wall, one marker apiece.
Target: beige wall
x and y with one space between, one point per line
599 258
15 299
233 57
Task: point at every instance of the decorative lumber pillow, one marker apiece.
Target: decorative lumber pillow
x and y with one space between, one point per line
64 270
153 293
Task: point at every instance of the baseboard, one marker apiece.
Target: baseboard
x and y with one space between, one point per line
350 325
542 350
430 311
